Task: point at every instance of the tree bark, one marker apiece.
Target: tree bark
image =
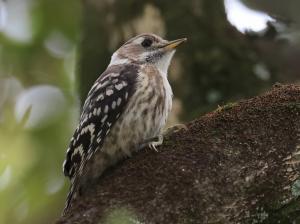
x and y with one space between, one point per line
238 164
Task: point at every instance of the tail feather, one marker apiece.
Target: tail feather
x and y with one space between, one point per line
75 183
70 198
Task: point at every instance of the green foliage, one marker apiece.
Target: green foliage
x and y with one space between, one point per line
32 186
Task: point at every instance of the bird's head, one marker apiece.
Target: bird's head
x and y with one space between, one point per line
147 48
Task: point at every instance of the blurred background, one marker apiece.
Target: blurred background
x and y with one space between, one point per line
52 51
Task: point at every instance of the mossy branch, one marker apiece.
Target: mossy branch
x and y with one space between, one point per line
239 165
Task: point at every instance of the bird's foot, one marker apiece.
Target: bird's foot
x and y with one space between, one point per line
158 140
174 129
152 143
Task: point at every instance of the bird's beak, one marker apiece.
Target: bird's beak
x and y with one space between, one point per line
171 45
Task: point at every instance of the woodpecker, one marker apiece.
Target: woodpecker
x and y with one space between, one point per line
125 110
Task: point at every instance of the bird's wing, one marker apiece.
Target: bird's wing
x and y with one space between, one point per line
104 104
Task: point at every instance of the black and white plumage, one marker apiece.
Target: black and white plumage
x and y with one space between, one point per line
128 104
103 106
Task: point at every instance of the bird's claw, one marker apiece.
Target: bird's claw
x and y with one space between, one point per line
152 143
158 142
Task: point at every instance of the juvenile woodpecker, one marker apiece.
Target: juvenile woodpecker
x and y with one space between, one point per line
126 109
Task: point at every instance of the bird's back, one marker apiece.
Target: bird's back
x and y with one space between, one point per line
105 102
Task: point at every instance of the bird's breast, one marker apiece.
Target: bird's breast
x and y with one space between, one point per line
144 116
156 86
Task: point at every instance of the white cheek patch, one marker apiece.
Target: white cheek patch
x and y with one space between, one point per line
115 60
144 55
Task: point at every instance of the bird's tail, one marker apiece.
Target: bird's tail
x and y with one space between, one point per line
74 188
70 198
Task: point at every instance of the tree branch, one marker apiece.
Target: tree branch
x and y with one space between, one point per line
238 164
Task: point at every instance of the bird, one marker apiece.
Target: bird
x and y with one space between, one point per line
125 110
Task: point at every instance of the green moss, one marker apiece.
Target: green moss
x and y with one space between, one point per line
226 107
296 188
260 216
286 214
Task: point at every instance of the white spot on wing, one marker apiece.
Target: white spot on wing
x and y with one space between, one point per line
113 105
90 155
98 139
104 118
89 128
106 109
119 101
102 84
79 150
114 74
100 97
98 111
109 92
84 120
119 86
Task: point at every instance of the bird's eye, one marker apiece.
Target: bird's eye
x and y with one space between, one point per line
147 43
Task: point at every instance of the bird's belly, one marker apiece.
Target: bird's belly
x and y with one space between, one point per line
142 119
